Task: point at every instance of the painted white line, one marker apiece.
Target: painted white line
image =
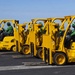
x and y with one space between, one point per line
34 63
20 56
6 52
21 67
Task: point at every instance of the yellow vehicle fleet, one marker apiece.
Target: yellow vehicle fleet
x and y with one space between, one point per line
45 38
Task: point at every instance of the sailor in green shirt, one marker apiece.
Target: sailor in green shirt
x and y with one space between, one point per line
9 30
42 31
73 32
70 36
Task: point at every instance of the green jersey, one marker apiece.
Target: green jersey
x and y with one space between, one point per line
9 29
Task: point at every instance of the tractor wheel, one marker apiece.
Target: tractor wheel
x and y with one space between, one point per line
60 58
13 48
26 50
40 53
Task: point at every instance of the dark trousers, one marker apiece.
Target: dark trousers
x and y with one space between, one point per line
2 35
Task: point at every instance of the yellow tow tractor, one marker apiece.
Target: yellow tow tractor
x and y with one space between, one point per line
23 38
8 42
64 51
35 37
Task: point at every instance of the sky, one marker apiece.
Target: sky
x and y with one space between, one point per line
25 10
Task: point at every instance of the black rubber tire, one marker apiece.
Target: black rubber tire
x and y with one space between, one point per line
12 47
55 58
25 47
39 53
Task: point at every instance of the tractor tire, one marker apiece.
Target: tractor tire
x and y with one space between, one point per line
13 48
25 50
60 58
40 53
